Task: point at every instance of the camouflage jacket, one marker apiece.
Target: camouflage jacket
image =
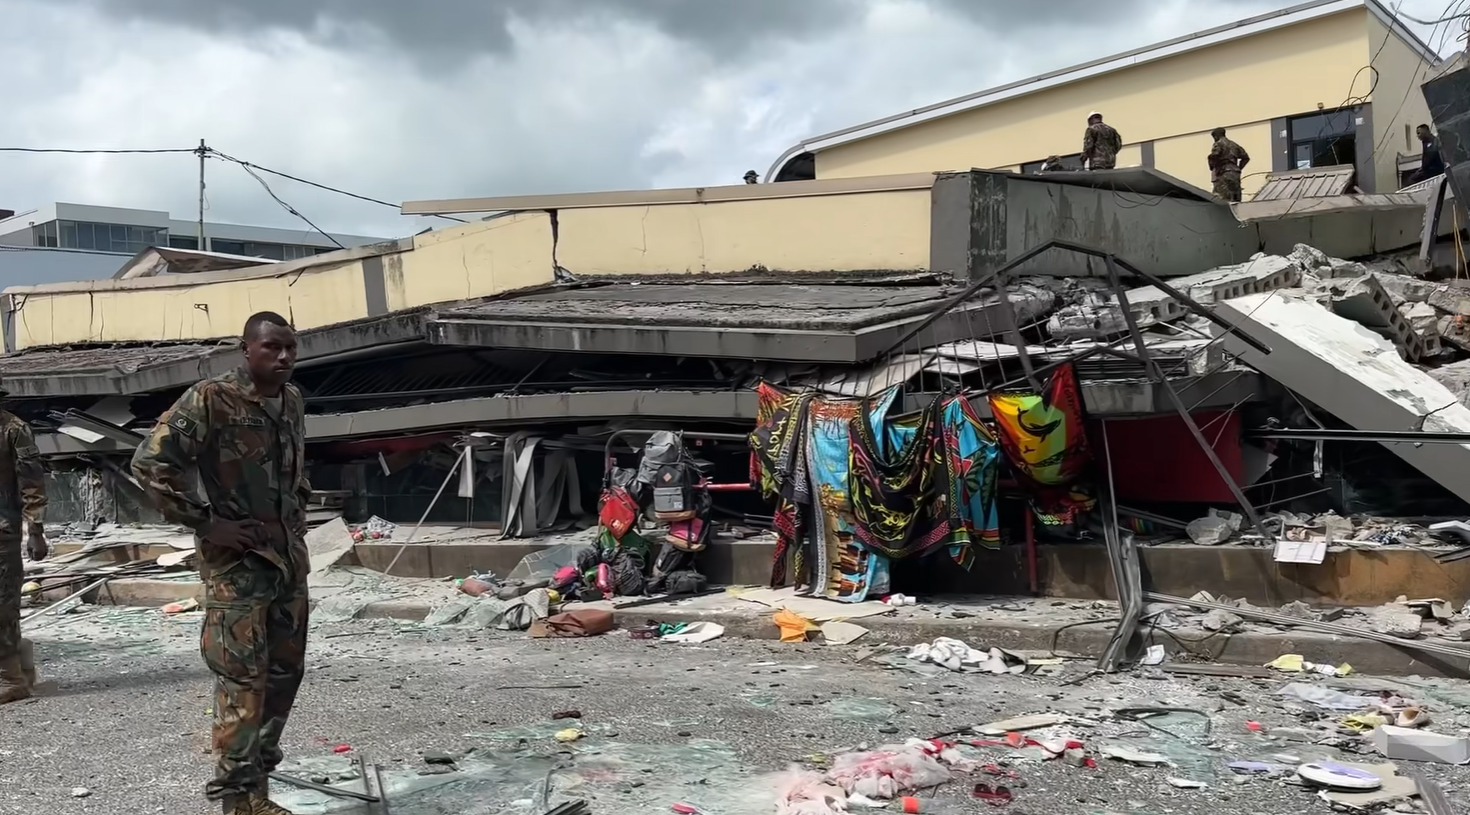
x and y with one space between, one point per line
250 464
1101 143
1226 156
22 477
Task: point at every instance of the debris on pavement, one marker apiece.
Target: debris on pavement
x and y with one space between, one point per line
696 633
794 627
1406 744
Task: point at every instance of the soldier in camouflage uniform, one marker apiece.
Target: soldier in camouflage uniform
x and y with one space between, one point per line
243 432
22 499
1226 160
1100 144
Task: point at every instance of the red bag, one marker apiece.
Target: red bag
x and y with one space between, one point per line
617 511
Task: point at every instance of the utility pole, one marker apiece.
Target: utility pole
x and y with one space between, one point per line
202 151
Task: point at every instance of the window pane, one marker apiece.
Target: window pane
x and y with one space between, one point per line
84 236
183 242
68 234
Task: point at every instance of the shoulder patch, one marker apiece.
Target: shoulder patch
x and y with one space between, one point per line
183 424
27 450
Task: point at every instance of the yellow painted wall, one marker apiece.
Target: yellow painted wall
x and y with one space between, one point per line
118 314
850 232
474 260
1397 101
1130 156
847 232
1184 157
1277 73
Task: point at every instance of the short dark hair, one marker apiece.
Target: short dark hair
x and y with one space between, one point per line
1217 132
261 318
1426 127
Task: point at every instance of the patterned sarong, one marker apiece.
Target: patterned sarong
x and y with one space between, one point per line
843 568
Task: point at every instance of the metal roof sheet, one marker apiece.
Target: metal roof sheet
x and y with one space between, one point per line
1313 182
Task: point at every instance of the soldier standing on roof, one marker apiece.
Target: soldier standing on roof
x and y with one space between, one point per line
22 499
1100 144
1226 160
242 432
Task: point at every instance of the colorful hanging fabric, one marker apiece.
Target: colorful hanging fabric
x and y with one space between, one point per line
776 456
899 482
1042 434
973 460
778 465
841 568
1045 441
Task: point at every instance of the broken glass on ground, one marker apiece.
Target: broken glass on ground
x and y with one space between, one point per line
861 708
624 779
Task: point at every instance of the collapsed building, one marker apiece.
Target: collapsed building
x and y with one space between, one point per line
1233 368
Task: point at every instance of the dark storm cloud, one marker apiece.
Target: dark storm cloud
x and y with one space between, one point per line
446 30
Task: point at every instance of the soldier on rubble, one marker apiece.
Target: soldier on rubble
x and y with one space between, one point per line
1100 144
243 434
22 501
1226 160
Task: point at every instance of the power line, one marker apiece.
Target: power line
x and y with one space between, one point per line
91 152
248 165
288 207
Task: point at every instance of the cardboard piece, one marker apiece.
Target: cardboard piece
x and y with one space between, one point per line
327 544
836 632
1311 551
816 609
1405 744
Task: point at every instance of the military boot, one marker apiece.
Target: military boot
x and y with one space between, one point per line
13 684
28 663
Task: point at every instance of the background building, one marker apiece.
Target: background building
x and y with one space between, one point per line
126 232
1330 82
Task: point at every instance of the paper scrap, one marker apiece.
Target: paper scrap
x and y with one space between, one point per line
1312 551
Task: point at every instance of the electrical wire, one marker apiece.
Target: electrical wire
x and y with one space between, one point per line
95 151
1414 83
299 180
289 208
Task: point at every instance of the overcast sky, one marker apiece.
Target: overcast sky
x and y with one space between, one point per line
458 98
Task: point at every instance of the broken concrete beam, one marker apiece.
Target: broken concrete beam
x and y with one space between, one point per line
1087 321
1455 377
1261 273
1424 321
1354 374
1364 301
1405 288
1453 299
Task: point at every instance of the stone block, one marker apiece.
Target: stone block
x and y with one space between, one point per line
1453 299
1364 301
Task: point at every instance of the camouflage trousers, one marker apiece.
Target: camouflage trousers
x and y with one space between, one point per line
254 641
12 577
1227 187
